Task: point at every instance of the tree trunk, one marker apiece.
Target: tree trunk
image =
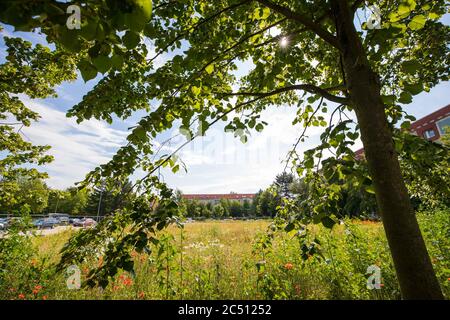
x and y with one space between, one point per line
412 262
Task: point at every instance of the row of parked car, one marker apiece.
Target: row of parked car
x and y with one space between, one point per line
53 220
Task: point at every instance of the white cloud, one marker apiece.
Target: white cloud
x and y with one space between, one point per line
77 148
219 162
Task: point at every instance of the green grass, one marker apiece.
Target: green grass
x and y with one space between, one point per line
218 260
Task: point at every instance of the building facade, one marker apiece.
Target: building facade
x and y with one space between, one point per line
431 127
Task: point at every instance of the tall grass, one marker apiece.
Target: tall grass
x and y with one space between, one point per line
220 260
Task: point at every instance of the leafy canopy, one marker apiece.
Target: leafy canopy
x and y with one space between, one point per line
28 72
200 83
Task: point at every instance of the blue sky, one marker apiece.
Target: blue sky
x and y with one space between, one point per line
217 163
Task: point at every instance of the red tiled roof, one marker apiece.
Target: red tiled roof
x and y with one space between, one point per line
230 196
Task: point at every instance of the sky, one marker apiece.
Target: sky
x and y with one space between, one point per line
216 163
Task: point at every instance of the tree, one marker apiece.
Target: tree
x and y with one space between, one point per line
218 211
266 203
425 167
27 72
322 52
106 199
72 200
283 182
30 192
235 208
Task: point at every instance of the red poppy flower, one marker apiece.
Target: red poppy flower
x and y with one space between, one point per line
127 282
288 266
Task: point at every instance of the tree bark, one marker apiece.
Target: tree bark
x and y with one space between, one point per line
412 262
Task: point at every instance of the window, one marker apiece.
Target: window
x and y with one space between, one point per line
442 124
428 134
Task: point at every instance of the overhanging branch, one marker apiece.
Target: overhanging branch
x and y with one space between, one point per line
305 87
304 20
201 22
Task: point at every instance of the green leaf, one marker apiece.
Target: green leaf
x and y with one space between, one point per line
209 69
259 127
414 89
102 63
411 66
328 222
406 125
405 97
289 227
88 70
131 39
309 164
69 39
195 90
117 61
418 22
89 29
370 189
389 100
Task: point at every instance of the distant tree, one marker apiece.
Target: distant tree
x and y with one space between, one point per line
218 211
226 207
267 203
283 182
71 201
246 208
235 209
31 72
206 210
107 199
30 192
55 200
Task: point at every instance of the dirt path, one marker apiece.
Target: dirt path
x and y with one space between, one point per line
55 230
47 232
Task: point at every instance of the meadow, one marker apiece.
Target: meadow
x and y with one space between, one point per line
224 260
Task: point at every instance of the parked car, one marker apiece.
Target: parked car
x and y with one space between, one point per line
3 223
88 222
38 223
77 222
63 220
59 216
49 223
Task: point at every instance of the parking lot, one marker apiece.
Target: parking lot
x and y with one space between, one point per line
46 225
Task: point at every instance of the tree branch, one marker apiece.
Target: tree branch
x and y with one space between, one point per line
306 87
310 24
356 5
302 135
201 22
238 43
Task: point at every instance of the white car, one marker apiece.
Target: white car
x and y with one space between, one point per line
88 222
